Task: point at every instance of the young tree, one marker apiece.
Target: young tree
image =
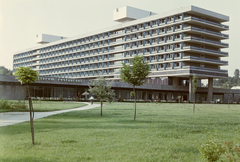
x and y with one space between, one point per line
102 89
135 74
194 82
28 76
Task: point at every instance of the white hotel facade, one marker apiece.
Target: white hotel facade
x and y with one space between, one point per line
176 44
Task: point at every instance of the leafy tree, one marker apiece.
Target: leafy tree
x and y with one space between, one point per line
102 89
28 76
227 82
135 74
194 82
5 71
236 76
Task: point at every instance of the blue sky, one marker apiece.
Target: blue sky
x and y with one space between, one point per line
22 20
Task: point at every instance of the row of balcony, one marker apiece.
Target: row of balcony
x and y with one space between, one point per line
147 27
164 67
166 31
166 58
148 44
192 28
153 52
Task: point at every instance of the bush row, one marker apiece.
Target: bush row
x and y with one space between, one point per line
5 104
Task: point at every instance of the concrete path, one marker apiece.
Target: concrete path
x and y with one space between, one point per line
10 118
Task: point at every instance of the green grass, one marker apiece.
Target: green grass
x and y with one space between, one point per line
162 132
45 106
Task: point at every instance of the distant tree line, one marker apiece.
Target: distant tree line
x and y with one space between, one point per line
5 71
228 82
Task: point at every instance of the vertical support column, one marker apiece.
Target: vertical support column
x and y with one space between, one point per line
191 95
210 89
86 95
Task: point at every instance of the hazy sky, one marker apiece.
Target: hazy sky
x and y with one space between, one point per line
22 20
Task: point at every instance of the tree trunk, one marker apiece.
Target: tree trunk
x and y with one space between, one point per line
31 114
194 103
101 108
135 111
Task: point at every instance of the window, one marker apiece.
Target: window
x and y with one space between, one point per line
177 55
178 36
178 45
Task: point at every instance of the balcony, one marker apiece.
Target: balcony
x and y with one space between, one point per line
205 69
207 22
206 40
154 60
154 69
206 59
205 50
169 68
207 31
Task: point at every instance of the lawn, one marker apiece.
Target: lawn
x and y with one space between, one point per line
40 106
161 132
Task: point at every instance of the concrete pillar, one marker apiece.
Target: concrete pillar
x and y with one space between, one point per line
210 89
191 94
86 96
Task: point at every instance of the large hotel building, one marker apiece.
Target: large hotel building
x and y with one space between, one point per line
176 44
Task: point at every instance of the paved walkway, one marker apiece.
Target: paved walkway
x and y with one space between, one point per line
10 118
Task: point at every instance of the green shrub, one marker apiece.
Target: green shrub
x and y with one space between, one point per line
60 98
76 99
19 105
5 104
121 100
212 150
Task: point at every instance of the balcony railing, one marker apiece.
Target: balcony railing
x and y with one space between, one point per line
206 21
205 59
203 68
207 31
207 50
206 40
